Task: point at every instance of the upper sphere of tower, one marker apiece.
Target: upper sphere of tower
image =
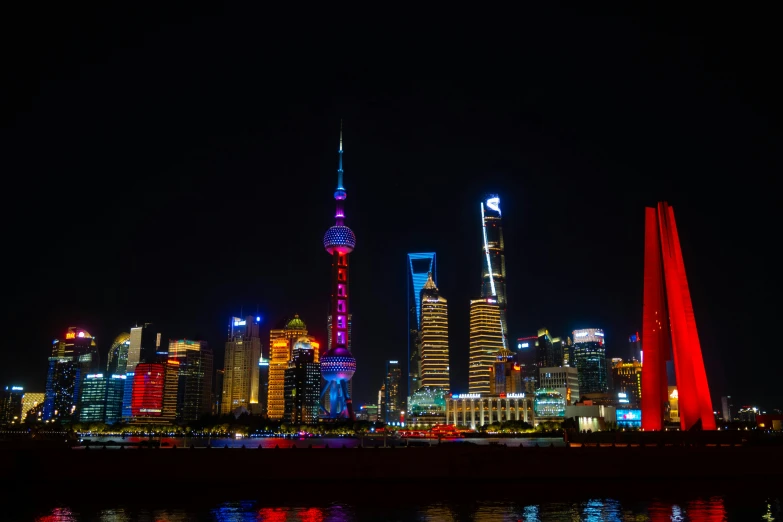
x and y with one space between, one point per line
296 324
339 238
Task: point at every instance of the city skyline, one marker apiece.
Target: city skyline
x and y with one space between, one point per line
154 212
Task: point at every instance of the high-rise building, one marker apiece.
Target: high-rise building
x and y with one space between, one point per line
725 405
434 339
11 405
590 360
217 390
149 382
493 273
506 376
302 384
118 354
281 342
564 379
115 393
194 387
32 405
627 381
144 346
548 353
92 403
420 265
243 351
486 340
635 347
562 349
669 326
526 357
338 365
127 397
72 358
392 392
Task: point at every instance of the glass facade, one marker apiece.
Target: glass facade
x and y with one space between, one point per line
92 404
115 393
590 360
302 386
149 382
391 393
194 386
493 273
241 375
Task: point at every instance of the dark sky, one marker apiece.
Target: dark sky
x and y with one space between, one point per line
176 167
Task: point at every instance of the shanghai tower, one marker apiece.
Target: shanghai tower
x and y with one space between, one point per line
493 273
338 365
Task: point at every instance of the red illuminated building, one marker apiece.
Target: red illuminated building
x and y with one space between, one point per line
148 386
669 328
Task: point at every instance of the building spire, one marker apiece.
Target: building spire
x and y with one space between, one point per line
340 167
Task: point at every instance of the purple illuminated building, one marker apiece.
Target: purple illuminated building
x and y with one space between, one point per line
338 365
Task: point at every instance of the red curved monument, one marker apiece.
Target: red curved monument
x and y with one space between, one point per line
669 328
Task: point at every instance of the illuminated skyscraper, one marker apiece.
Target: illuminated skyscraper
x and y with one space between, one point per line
144 346
32 401
338 365
433 339
302 384
392 403
72 359
590 360
92 403
194 387
627 379
506 376
149 382
486 340
494 260
240 379
281 341
118 354
420 265
11 399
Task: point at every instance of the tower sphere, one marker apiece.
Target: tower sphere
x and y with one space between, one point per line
339 238
338 365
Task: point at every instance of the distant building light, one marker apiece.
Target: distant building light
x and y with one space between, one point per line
523 345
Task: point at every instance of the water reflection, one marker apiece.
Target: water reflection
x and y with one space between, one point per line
698 509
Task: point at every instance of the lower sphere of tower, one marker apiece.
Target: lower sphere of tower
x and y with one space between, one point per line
337 367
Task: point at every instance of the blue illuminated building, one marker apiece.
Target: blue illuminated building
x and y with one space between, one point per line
419 266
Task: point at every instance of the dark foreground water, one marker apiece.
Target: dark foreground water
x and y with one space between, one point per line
404 505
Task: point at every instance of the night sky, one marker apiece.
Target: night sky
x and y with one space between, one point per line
177 167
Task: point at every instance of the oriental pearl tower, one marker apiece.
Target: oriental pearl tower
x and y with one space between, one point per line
338 365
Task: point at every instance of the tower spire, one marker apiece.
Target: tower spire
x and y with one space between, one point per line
340 167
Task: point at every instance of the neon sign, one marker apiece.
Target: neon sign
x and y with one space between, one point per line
466 396
70 335
580 334
393 362
523 345
240 323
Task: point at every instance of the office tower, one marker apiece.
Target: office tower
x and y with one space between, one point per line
243 351
263 384
590 360
434 338
11 405
725 408
144 346
526 357
217 391
382 413
562 349
118 354
548 352
392 393
635 347
194 387
669 326
281 342
486 340
627 381
92 403
170 412
420 265
127 397
338 365
506 375
115 393
493 273
302 384
32 404
564 379
149 382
